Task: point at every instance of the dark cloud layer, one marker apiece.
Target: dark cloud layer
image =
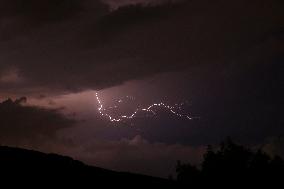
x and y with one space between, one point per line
48 10
45 9
21 124
230 51
20 17
133 42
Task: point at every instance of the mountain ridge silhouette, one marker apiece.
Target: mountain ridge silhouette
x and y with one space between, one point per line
33 166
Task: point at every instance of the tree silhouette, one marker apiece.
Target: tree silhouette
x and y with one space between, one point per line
232 165
188 174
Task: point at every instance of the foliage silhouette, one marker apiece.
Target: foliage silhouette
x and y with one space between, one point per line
232 165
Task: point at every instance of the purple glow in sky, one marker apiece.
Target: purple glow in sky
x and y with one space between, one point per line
130 87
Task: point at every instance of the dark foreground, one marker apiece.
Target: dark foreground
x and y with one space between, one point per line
26 167
227 166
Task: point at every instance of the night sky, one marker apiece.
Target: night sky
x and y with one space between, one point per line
217 67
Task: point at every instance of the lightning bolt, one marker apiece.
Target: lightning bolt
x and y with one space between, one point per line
149 109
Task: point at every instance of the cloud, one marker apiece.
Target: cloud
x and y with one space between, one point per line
88 51
21 124
140 156
117 4
127 154
10 77
22 17
231 51
33 8
48 10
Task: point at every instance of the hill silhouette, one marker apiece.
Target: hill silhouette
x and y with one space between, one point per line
230 165
31 167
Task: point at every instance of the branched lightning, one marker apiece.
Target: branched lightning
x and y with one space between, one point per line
149 109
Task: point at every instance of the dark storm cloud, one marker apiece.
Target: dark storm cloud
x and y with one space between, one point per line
19 17
23 124
116 4
45 9
100 50
48 10
244 103
232 52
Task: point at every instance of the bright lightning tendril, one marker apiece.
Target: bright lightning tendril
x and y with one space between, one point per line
148 109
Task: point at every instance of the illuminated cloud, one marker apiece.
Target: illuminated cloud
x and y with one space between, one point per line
10 77
122 118
134 154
